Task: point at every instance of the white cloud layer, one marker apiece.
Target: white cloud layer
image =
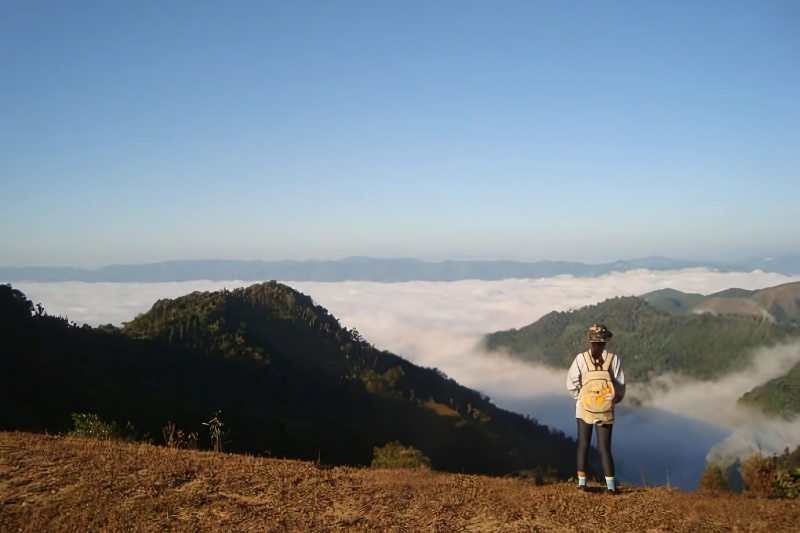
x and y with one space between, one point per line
441 324
715 401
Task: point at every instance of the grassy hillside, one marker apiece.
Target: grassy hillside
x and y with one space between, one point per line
780 304
731 306
287 377
69 484
651 341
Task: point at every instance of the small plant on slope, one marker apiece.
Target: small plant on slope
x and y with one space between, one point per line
215 431
713 480
175 438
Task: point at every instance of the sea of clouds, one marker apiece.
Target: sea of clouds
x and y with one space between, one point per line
441 324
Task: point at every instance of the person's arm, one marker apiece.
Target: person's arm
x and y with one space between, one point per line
619 380
574 379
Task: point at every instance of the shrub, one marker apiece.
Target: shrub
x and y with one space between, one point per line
758 473
787 484
548 476
90 426
395 455
713 480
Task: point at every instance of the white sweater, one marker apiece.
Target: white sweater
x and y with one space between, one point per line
579 369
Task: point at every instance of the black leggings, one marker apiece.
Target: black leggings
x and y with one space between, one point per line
603 441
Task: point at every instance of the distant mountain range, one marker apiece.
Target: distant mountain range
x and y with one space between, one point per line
371 269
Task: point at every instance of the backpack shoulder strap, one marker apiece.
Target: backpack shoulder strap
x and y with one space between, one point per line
607 362
587 358
590 364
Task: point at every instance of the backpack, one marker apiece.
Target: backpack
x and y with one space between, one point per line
595 385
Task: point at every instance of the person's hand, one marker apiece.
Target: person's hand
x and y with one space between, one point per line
610 396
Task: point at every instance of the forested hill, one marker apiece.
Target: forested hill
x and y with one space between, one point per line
284 373
651 341
779 396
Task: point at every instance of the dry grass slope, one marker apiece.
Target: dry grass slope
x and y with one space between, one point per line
745 307
783 299
73 484
780 303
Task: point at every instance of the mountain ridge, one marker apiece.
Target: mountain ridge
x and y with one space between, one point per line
780 304
361 268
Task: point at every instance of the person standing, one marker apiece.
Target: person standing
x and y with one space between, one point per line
597 382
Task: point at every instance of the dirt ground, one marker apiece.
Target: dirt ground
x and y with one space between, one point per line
70 484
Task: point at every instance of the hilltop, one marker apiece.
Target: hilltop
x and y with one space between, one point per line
63 483
671 301
780 304
286 375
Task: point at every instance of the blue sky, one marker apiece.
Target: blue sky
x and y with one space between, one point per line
146 131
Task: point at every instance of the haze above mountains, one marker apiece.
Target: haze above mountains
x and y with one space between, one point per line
377 270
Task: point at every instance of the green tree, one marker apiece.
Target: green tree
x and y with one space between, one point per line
90 426
395 455
713 480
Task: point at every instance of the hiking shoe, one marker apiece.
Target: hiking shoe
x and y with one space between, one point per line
612 492
582 488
